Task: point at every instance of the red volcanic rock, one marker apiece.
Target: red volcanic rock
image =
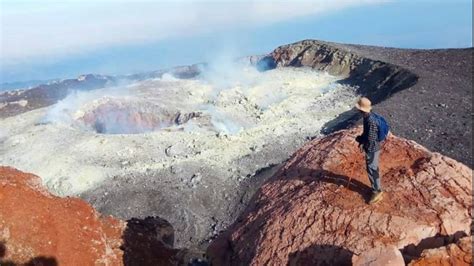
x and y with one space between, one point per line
33 224
459 254
37 228
314 211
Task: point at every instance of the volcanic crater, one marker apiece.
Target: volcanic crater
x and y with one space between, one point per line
187 150
194 148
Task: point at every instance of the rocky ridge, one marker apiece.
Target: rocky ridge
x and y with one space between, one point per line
314 211
375 79
19 101
425 93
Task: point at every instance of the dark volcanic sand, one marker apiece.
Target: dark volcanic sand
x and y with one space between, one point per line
437 111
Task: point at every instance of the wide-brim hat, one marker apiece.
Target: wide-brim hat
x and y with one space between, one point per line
364 105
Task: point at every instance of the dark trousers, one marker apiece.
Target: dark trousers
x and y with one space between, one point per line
372 164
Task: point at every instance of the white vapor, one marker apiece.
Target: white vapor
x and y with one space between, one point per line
40 29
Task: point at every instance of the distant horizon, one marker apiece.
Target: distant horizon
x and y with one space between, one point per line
123 37
173 66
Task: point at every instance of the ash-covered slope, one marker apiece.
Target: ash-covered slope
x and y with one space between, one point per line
313 211
37 228
433 103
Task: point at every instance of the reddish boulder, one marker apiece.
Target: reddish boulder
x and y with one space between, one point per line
37 225
314 210
382 255
37 228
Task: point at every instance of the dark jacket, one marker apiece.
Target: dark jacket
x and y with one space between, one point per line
369 138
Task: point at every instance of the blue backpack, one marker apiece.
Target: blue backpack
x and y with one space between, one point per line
383 127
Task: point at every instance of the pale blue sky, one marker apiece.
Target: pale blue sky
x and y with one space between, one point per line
60 39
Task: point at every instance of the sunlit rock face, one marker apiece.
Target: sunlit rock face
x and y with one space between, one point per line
314 210
182 149
35 225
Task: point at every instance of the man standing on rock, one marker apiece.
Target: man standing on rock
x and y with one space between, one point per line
375 131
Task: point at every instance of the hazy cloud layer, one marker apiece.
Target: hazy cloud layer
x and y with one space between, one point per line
35 30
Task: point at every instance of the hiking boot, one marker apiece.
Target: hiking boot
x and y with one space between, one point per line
376 197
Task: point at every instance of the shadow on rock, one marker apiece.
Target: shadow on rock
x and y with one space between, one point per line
412 251
150 241
36 261
320 255
310 175
343 120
